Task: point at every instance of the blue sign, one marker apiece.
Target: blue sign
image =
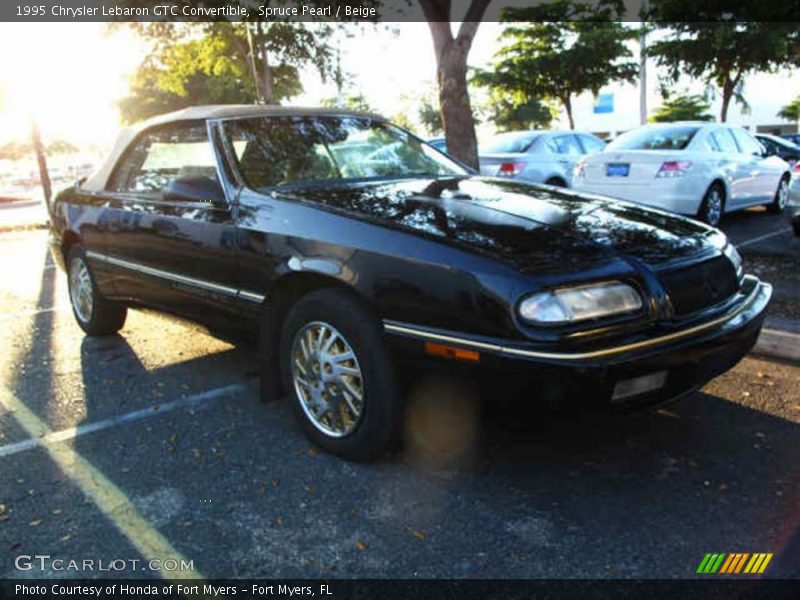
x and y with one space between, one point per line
604 103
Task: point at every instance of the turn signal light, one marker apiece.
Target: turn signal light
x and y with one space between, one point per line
443 351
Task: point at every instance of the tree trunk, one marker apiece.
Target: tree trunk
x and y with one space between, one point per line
267 91
568 107
457 120
726 101
727 94
451 73
44 175
249 56
728 89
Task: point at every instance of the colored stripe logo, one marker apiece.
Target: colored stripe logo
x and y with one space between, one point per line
734 563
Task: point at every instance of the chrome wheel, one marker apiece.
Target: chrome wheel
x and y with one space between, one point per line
327 379
713 207
81 291
783 194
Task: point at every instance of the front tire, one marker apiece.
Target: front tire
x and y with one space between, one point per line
713 206
781 199
95 314
339 376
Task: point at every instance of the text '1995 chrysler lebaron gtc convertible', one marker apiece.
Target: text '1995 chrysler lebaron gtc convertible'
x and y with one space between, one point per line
350 246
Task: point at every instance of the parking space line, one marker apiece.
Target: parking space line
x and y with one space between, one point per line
136 415
109 498
761 238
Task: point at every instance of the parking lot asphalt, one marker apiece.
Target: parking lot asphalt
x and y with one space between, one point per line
152 444
772 252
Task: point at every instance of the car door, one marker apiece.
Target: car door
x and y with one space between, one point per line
172 254
737 166
568 151
764 175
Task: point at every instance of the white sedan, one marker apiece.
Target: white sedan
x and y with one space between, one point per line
698 169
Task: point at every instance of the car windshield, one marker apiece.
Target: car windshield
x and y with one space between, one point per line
307 150
655 138
509 143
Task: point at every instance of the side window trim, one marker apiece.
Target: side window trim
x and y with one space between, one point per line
735 139
725 131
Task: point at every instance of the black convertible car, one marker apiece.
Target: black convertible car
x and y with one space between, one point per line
346 243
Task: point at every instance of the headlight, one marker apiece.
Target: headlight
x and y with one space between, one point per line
567 305
733 255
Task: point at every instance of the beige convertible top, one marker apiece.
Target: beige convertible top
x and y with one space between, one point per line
99 179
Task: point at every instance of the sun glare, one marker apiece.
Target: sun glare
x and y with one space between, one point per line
68 76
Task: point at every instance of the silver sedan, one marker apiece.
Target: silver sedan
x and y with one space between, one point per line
538 156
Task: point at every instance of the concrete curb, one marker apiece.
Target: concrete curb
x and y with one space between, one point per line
22 227
18 203
778 344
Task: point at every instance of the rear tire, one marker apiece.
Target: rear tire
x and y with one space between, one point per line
555 181
713 206
348 406
781 199
95 314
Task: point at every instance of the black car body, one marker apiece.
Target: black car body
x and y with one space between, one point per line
794 138
780 147
439 266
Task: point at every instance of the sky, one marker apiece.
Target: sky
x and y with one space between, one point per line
71 75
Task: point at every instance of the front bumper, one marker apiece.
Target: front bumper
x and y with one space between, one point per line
690 356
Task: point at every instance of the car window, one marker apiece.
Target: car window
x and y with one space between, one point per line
655 138
162 154
724 140
591 144
747 143
711 144
278 151
565 144
509 143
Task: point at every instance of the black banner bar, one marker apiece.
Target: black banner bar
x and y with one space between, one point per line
33 11
394 589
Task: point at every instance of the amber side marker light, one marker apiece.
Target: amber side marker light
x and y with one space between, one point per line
443 351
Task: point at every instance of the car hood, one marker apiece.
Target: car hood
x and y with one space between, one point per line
531 227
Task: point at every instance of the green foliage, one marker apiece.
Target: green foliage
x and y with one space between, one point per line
183 74
682 107
558 50
430 115
401 119
515 111
791 112
721 51
355 102
221 62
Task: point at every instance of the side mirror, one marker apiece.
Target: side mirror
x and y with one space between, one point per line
195 188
